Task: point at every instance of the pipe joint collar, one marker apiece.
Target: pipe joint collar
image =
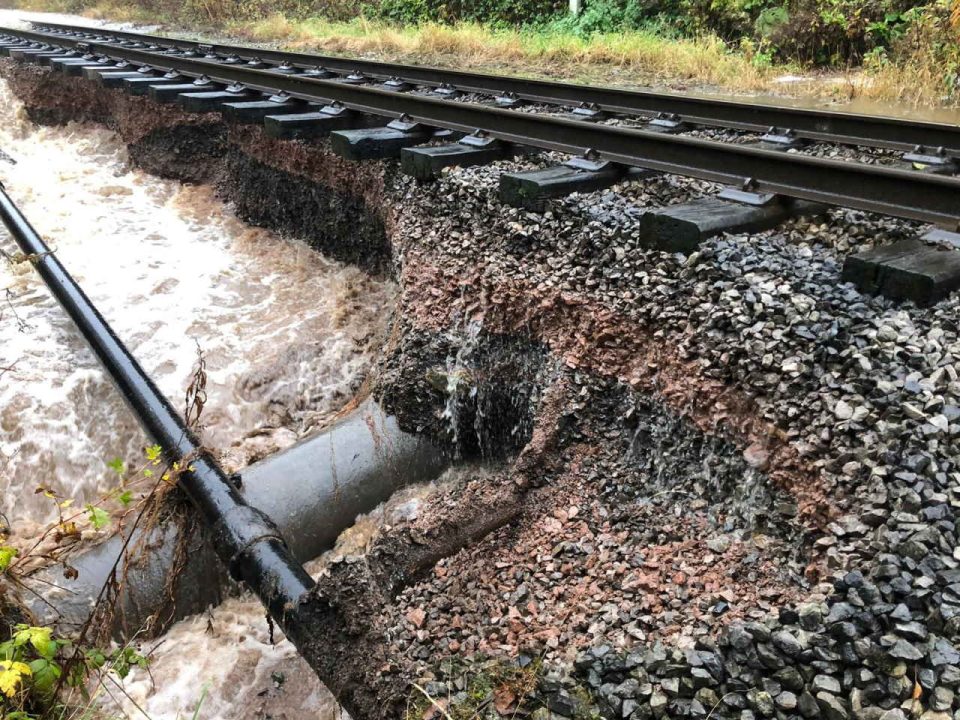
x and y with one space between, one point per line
239 529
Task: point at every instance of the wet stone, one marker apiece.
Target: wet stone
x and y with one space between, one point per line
895 714
825 683
791 678
563 704
903 650
810 616
761 702
787 643
786 701
831 707
807 705
942 699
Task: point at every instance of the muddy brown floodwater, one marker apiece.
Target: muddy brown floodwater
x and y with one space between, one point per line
287 338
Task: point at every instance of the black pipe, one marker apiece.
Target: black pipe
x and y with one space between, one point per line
244 538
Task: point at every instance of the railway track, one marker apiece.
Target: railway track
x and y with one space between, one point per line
309 88
776 122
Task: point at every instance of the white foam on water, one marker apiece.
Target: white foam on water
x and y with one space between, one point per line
223 663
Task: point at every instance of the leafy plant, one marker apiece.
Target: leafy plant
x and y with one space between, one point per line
33 662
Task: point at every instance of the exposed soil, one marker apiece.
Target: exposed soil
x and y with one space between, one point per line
725 481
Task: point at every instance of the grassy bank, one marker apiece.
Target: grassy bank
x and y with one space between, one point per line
920 73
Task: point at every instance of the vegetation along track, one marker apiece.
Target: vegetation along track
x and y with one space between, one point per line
245 74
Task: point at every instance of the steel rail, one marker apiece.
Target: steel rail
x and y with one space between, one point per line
814 124
245 539
902 193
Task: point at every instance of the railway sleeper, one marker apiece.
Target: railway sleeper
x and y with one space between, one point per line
142 85
213 100
315 125
781 139
79 70
115 79
425 163
531 189
37 57
682 228
47 59
75 66
254 111
28 55
931 160
168 93
94 72
923 270
668 123
379 143
587 112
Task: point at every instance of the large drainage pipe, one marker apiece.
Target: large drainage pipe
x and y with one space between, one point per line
312 491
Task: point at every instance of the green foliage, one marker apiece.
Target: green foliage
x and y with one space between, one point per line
838 32
770 20
617 16
33 663
7 554
821 32
494 12
117 466
99 518
835 33
926 51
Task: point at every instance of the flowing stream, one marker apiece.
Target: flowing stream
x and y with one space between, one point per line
286 334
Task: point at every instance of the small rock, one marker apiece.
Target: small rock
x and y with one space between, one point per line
831 707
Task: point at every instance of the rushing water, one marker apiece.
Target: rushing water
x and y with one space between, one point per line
287 336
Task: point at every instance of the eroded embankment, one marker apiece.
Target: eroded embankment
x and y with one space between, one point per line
729 479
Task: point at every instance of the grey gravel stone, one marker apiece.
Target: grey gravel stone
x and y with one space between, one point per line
831 707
